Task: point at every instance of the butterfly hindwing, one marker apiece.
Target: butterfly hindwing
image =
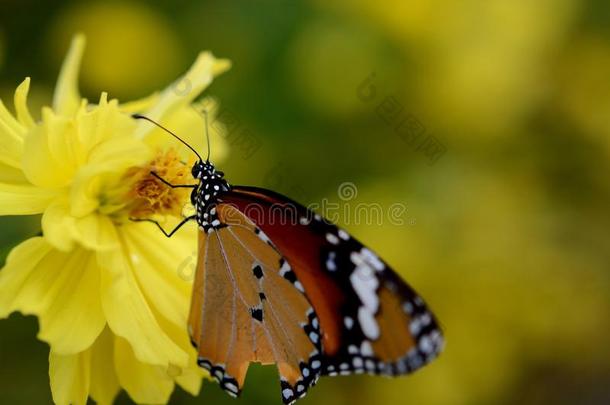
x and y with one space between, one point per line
371 320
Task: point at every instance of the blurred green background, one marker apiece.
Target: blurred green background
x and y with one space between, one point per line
506 233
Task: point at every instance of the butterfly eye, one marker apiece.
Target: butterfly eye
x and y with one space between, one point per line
196 170
220 173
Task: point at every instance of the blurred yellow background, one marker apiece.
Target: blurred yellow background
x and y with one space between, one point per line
507 227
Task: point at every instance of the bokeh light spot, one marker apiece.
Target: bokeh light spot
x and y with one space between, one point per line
328 61
131 47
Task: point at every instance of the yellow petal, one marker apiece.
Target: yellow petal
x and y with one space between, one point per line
9 123
66 99
144 383
93 231
13 278
191 379
165 275
49 158
58 226
11 138
96 232
129 314
24 199
69 377
61 289
120 153
10 174
104 382
86 190
21 105
141 104
184 90
103 122
74 318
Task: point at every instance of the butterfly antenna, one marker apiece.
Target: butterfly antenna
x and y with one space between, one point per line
207 133
142 117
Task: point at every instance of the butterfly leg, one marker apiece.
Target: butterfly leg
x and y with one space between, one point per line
170 234
167 183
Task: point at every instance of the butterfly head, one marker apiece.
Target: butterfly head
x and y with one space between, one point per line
206 171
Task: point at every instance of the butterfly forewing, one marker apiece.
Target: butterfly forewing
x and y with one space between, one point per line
371 320
245 309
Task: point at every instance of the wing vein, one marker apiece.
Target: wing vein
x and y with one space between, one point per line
273 313
203 287
230 270
256 258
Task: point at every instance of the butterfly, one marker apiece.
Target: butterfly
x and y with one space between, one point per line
277 284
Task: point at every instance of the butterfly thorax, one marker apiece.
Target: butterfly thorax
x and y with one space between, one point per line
205 196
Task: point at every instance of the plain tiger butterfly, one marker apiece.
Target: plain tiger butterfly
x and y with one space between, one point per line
278 284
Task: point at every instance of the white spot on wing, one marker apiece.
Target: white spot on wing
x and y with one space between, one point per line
415 326
425 345
332 238
365 284
230 386
330 262
369 325
284 269
366 349
343 235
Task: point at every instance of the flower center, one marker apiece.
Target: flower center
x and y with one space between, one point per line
150 196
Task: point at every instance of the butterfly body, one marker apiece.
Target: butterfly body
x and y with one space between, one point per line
204 196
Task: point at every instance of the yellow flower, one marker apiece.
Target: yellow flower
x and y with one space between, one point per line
107 291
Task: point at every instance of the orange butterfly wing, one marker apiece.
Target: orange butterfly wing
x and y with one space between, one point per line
371 320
